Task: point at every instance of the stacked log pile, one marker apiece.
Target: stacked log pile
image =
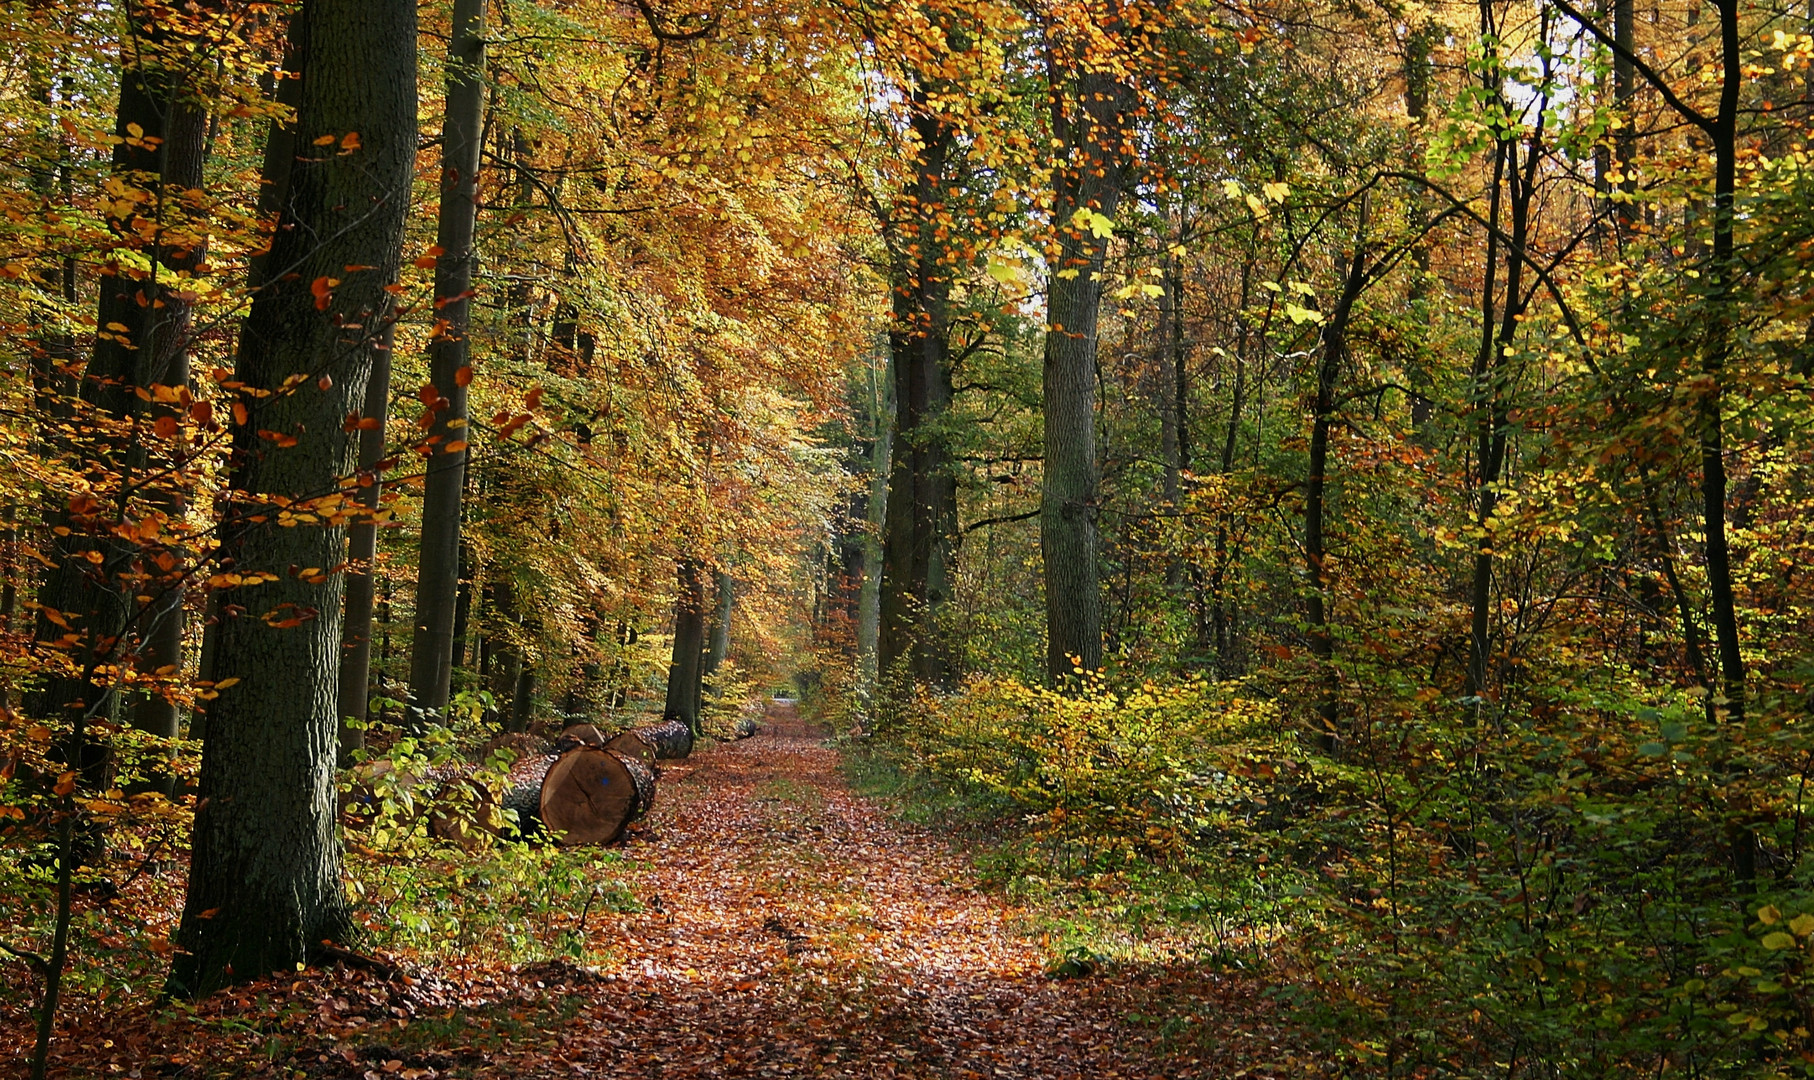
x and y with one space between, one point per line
665 741
584 789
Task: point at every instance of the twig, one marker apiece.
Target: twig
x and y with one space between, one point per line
348 958
31 959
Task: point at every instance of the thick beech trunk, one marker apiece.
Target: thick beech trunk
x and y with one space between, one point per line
264 883
1090 113
921 512
450 357
689 646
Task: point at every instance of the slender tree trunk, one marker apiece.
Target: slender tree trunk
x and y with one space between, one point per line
720 646
689 645
450 357
1316 485
869 600
1222 623
1723 132
163 360
87 596
1090 114
264 882
355 684
1491 400
1174 416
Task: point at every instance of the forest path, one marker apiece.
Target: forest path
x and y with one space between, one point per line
791 929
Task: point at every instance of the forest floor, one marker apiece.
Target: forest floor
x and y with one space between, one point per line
787 927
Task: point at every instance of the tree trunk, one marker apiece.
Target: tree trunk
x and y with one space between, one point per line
450 357
361 580
665 741
1723 133
720 647
921 512
163 360
522 698
1316 555
264 881
689 644
1090 114
89 598
869 597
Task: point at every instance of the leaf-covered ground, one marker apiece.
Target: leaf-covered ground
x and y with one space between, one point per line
788 928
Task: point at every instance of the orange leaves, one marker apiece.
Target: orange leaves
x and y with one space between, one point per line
348 142
322 288
430 257
289 616
463 377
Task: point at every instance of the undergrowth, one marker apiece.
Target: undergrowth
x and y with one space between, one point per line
1554 890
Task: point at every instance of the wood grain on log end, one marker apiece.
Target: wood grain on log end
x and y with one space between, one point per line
591 795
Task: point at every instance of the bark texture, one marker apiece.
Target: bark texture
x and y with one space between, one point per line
921 514
689 645
450 356
1090 113
264 881
362 551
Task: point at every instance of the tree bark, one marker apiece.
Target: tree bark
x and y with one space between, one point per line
689 644
869 597
1723 133
163 360
88 597
522 698
720 646
362 552
264 880
450 357
921 512
1090 114
1316 485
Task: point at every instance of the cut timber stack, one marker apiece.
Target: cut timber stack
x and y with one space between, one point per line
663 742
581 794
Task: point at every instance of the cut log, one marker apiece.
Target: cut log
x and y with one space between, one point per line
583 795
523 792
584 733
662 742
591 795
464 825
